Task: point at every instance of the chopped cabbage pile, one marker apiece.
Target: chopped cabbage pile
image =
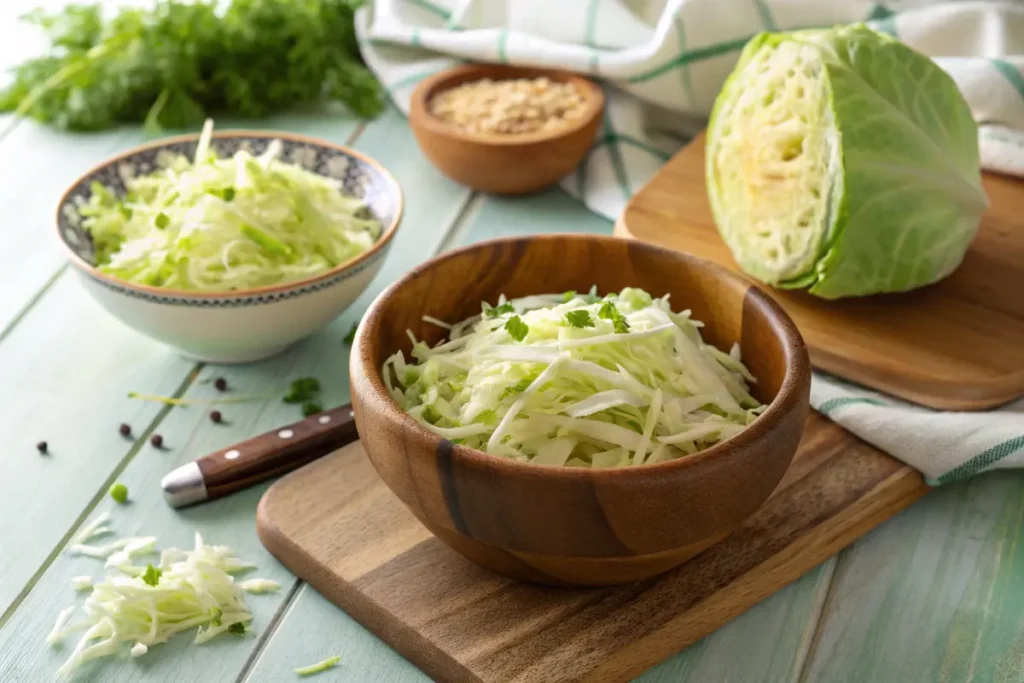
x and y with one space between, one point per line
576 380
135 607
213 224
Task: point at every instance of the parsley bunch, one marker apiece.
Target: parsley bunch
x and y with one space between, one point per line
172 65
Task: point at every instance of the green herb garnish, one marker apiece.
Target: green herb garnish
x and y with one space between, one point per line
161 221
608 311
311 408
152 575
170 65
237 628
568 296
302 390
351 336
516 328
119 492
495 311
580 318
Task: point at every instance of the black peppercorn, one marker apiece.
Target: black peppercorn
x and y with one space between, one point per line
157 441
125 430
216 416
220 384
41 447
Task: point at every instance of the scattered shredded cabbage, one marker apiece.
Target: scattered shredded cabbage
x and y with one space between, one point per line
319 667
212 224
135 607
576 380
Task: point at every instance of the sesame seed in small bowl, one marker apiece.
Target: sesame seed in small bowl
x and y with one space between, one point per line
505 129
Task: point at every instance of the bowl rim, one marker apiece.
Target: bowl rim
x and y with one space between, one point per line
795 384
419 113
381 242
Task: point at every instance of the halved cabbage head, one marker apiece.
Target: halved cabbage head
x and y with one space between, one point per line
843 162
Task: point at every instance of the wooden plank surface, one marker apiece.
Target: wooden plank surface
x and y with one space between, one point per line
935 595
971 629
955 345
187 433
63 357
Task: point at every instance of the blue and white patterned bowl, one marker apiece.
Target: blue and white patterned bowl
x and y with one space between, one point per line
243 325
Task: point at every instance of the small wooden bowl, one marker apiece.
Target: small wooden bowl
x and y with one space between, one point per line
569 526
504 164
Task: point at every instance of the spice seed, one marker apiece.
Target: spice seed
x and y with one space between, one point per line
216 416
220 384
511 106
42 447
157 441
125 430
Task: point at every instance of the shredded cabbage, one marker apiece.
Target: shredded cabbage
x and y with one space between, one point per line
319 667
215 224
576 380
137 607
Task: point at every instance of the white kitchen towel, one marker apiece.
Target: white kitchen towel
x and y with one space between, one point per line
662 63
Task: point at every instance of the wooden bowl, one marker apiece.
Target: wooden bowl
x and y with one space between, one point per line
504 164
569 526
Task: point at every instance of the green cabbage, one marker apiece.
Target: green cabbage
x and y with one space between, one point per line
576 380
843 162
135 607
214 224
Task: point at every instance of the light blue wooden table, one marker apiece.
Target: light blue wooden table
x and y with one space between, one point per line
936 594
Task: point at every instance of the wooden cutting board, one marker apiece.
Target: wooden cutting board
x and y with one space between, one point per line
957 345
338 527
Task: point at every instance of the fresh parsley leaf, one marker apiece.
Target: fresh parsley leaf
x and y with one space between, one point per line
351 336
302 390
516 328
311 408
495 311
580 318
173 63
152 575
610 312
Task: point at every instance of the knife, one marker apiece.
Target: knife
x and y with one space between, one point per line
250 462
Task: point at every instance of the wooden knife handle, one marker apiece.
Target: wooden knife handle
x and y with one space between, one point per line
276 452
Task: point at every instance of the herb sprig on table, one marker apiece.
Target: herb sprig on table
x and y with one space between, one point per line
171 65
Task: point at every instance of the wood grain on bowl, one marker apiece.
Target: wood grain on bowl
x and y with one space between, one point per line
567 525
504 163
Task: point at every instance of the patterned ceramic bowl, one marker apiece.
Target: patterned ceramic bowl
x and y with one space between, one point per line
243 325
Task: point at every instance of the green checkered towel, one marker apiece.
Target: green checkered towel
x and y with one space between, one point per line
662 63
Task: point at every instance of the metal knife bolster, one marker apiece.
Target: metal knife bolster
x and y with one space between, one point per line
250 462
